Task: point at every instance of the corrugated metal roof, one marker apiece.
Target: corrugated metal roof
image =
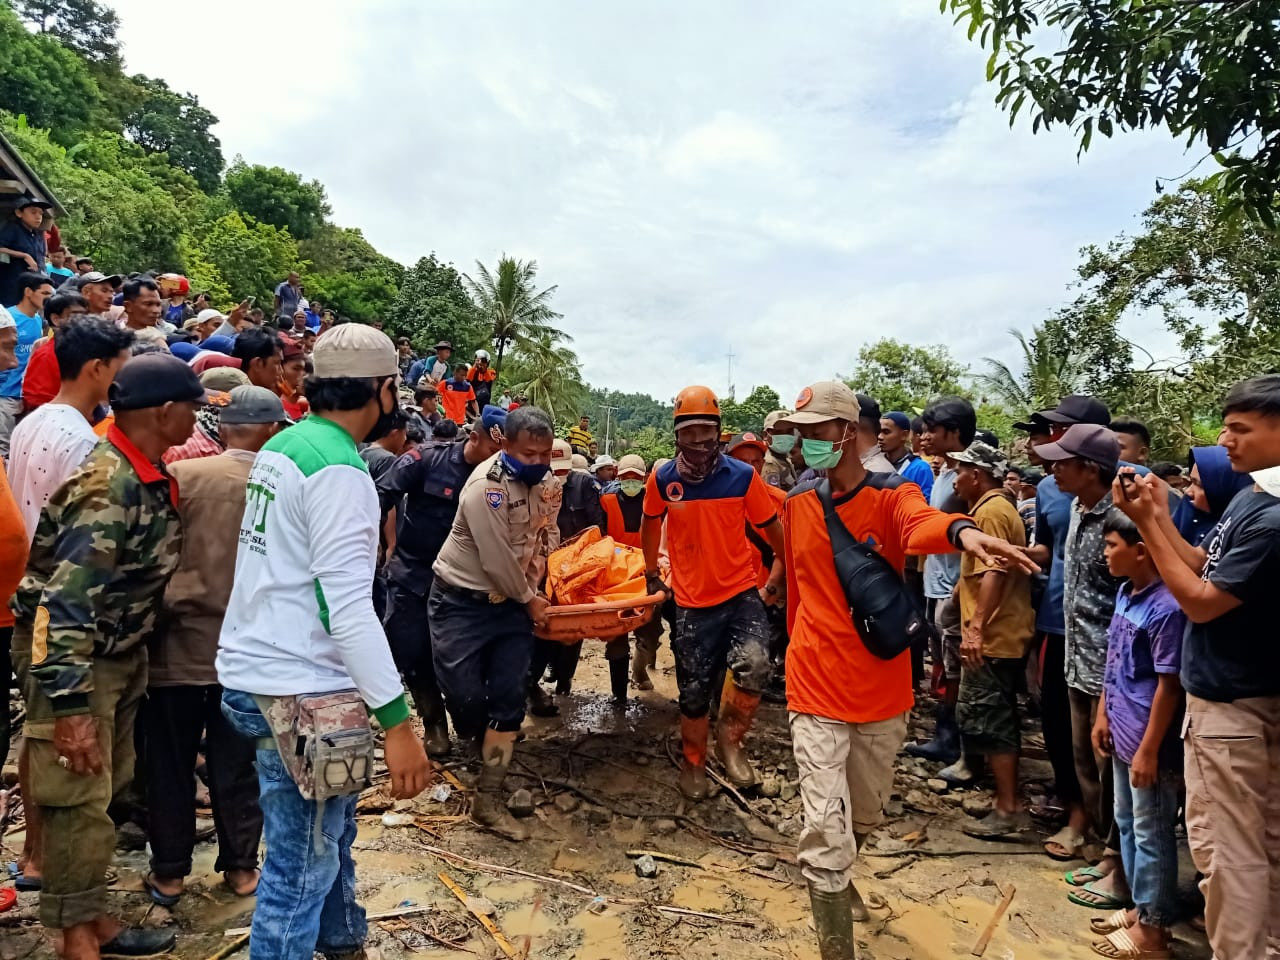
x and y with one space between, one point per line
14 168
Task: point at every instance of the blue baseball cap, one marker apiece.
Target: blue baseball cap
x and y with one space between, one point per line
900 419
219 344
184 351
493 416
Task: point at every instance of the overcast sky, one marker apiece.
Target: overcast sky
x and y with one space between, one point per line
783 181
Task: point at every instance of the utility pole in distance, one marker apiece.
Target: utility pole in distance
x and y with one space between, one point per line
608 420
730 355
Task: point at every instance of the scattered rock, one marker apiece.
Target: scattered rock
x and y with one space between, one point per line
918 799
646 868
893 808
936 785
598 816
665 827
482 905
520 803
764 861
789 790
976 806
789 827
955 799
770 788
566 802
889 845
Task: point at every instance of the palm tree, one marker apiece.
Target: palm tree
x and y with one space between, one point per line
548 373
1049 372
507 297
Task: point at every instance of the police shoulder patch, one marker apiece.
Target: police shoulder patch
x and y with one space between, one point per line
494 498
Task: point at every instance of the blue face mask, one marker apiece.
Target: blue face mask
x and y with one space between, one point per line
822 454
530 474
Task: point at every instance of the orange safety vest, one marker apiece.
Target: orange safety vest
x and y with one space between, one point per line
617 526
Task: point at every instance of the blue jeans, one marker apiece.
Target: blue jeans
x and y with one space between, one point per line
1145 819
306 898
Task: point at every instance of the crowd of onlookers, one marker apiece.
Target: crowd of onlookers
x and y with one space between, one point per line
1126 597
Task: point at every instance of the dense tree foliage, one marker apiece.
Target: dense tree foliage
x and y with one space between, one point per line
43 80
279 197
749 414
87 27
1205 69
905 377
175 124
433 305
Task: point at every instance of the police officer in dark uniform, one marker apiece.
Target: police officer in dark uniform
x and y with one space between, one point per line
579 508
424 484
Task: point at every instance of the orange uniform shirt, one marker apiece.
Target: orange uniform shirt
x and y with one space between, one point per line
616 522
454 399
779 497
830 672
14 546
711 558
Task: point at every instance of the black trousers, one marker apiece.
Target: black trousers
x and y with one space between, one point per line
409 636
175 719
1056 717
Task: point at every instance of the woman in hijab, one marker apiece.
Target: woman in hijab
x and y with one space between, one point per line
1212 485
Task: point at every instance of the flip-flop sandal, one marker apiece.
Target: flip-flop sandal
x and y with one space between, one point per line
160 899
1070 842
7 899
1110 924
1120 946
21 883
1086 896
1078 878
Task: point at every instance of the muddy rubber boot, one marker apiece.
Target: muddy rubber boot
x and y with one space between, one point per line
737 710
945 745
541 703
693 769
833 922
435 726
489 809
618 680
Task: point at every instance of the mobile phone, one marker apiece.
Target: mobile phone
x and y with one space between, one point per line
250 301
1126 484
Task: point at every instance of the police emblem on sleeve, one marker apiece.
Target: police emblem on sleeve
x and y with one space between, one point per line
494 498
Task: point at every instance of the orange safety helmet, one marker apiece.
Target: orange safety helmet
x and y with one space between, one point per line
173 285
696 402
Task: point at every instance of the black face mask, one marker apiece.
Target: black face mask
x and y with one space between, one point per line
386 418
695 461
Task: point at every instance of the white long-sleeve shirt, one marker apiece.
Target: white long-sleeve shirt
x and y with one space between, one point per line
300 618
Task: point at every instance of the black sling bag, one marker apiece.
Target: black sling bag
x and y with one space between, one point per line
887 618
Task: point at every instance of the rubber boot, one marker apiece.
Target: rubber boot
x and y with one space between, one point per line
945 745
435 727
489 809
618 680
860 912
833 922
737 710
566 667
693 770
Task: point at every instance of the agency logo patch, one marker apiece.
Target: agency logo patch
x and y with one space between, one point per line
494 498
805 398
675 491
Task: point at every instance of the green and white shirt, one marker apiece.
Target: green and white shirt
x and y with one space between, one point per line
300 618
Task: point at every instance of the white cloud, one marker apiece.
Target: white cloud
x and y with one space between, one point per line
784 183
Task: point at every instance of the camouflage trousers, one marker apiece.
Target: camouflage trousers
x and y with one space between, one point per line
79 837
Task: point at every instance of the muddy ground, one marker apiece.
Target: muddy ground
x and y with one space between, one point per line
602 785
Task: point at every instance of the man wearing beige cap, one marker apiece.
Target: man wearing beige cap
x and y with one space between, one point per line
848 706
300 622
777 470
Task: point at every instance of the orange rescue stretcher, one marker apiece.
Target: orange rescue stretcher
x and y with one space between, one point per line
597 589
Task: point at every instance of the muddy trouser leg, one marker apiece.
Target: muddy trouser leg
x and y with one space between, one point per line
648 637
748 655
1233 799
79 838
846 775
409 636
701 648
482 652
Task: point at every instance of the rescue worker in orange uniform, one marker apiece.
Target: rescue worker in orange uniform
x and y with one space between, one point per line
708 500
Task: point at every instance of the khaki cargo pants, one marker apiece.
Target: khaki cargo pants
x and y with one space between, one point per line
79 837
846 775
1233 821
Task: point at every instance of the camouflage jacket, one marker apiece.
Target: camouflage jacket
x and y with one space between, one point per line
106 544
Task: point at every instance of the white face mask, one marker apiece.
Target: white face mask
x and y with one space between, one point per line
1268 480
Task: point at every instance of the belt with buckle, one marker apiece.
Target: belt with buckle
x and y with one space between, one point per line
477 596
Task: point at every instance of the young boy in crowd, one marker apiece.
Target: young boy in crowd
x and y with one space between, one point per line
1137 726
